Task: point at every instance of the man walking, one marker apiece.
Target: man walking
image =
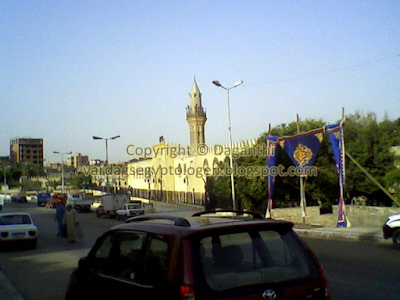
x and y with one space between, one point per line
70 220
60 211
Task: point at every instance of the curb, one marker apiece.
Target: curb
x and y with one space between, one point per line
7 290
345 235
179 204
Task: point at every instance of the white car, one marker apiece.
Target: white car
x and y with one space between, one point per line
391 229
18 227
130 210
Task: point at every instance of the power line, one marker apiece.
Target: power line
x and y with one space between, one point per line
326 72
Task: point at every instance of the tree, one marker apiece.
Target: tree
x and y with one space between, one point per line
81 181
392 179
370 143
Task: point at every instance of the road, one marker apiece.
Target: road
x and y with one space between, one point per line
355 270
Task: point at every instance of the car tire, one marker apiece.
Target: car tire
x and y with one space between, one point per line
32 244
396 238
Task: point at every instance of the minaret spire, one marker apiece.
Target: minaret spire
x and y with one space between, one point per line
196 117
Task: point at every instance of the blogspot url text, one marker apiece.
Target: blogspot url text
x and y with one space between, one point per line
249 172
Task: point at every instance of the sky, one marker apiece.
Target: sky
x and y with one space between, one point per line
70 70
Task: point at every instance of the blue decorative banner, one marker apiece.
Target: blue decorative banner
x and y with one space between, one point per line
302 148
335 133
272 143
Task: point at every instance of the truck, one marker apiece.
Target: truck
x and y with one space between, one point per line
131 209
43 199
110 203
57 198
79 202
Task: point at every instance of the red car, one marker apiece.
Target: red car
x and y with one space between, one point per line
212 255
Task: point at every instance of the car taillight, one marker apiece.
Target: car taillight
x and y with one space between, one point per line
187 292
32 233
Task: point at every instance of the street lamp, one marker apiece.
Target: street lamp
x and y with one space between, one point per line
62 167
217 83
5 186
106 139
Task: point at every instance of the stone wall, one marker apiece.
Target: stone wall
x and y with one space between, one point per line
313 216
365 216
369 215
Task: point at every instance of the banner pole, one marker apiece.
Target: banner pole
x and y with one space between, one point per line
302 193
268 212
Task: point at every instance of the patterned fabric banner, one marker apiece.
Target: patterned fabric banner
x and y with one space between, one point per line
272 143
302 148
335 133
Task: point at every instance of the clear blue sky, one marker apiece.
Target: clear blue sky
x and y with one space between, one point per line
73 69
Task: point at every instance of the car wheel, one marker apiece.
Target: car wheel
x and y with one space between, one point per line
396 238
32 244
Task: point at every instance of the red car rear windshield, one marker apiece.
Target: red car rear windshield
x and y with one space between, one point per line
232 260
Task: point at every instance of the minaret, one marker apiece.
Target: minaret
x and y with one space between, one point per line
196 117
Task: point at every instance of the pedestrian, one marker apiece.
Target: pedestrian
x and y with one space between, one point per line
74 230
60 211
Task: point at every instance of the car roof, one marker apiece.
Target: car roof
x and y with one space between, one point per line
13 213
203 222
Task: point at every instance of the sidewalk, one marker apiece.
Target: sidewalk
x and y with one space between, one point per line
365 234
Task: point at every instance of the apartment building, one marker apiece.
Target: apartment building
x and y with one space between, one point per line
27 150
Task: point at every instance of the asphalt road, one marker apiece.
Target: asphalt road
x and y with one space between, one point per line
355 270
359 270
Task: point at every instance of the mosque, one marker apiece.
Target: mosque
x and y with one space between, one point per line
176 173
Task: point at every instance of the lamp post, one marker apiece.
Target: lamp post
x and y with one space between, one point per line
5 186
217 83
106 139
62 167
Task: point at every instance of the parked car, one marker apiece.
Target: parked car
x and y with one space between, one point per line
3 198
19 199
237 255
391 229
131 209
18 227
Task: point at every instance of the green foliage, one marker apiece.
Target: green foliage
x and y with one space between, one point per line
31 185
370 143
392 179
81 181
12 176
